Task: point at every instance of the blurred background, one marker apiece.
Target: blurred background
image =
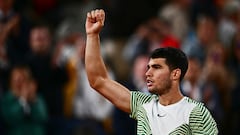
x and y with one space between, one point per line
43 84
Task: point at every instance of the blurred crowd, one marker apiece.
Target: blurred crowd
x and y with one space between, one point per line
43 85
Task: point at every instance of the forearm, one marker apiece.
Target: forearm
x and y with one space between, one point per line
94 64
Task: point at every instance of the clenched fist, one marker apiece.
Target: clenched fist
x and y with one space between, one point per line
95 21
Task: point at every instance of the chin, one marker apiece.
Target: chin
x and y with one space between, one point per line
151 91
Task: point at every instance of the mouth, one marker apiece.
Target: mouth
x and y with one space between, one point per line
149 82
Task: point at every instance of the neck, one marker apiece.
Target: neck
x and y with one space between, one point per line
173 96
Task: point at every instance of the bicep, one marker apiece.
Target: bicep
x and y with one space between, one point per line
115 93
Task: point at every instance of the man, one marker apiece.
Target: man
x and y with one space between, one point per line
164 112
50 76
23 111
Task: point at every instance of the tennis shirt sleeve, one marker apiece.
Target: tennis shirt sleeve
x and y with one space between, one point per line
136 102
201 121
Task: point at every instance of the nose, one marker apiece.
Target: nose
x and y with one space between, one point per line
148 73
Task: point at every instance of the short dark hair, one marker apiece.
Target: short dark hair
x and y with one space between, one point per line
175 58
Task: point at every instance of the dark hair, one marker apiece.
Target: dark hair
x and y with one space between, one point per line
175 58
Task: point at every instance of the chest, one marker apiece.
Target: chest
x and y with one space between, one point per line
164 120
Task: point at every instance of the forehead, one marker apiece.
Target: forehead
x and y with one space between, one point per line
40 30
157 61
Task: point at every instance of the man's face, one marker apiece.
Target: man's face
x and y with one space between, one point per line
40 40
158 76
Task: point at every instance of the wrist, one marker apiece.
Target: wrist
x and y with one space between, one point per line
93 34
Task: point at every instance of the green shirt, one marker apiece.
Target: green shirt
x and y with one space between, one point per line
17 121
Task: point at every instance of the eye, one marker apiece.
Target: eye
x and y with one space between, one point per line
156 66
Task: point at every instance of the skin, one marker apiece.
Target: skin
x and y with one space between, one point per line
160 80
40 40
163 82
22 85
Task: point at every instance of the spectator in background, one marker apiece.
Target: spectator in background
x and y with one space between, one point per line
23 110
206 7
202 38
138 43
217 89
137 78
163 28
176 12
50 77
87 111
152 34
14 34
192 83
206 82
234 64
228 22
67 51
90 108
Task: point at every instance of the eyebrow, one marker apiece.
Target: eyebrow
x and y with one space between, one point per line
154 66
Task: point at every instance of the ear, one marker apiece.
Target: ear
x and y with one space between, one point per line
176 73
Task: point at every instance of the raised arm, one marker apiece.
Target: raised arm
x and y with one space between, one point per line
95 67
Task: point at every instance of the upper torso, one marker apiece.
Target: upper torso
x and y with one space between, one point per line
178 118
